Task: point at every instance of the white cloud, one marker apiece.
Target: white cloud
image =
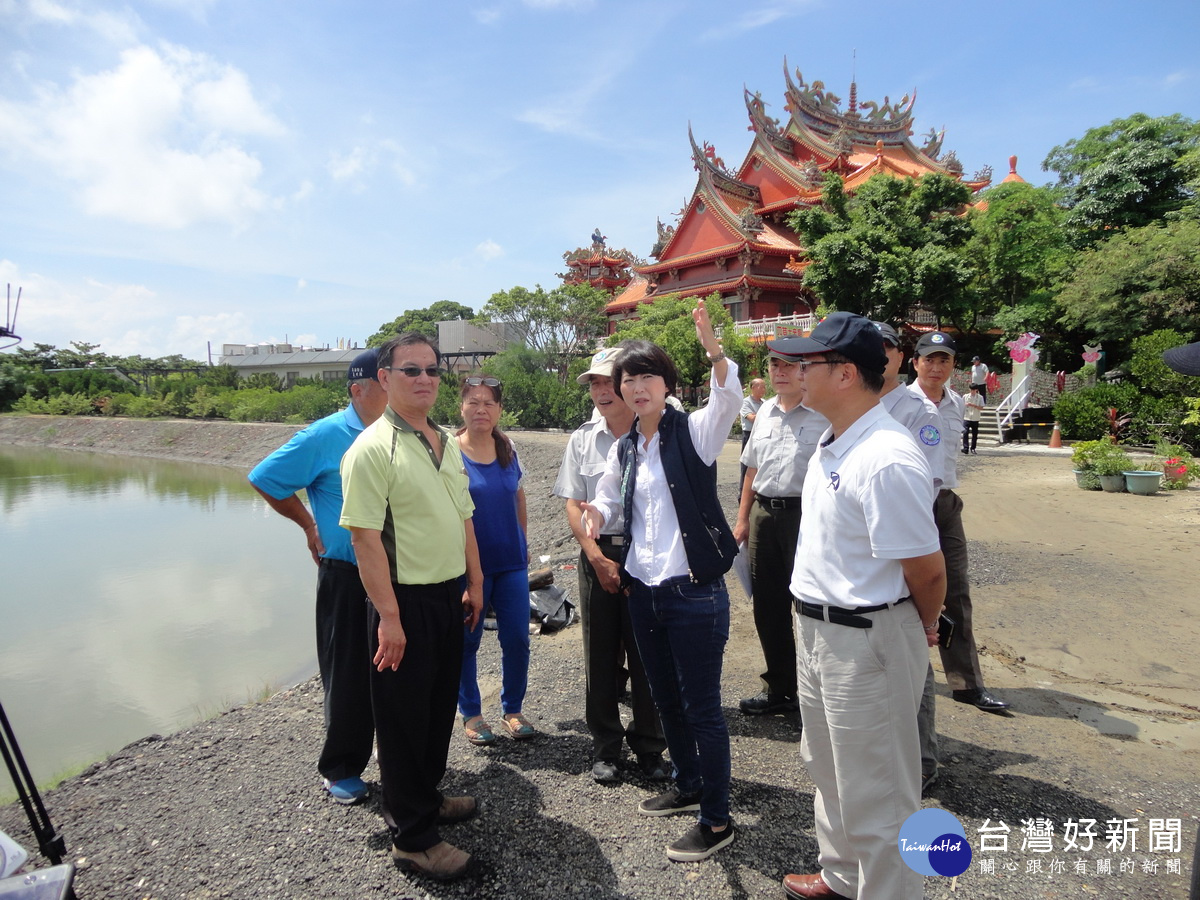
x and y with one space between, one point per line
124 319
559 4
362 161
151 141
489 250
758 15
119 28
301 284
1176 78
487 16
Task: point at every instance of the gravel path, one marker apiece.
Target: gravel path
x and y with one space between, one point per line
232 807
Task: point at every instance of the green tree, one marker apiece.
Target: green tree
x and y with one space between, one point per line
1126 174
1136 282
893 246
422 320
668 322
563 322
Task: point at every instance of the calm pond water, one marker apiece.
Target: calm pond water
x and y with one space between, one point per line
139 596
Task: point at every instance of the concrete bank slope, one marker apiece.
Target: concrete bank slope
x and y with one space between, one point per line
236 444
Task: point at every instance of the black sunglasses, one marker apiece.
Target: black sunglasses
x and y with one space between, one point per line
477 380
414 371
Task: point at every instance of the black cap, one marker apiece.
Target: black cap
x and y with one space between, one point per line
365 365
785 349
853 336
1185 360
936 342
888 333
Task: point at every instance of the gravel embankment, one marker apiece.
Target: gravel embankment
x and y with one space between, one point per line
232 807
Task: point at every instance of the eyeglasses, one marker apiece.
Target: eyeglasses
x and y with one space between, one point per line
414 371
477 380
801 365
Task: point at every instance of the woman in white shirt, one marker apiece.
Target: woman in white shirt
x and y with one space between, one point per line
678 548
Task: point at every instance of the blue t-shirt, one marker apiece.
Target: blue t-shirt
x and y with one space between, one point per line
501 540
311 461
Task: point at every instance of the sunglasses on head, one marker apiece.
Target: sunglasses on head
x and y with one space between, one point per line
477 380
415 371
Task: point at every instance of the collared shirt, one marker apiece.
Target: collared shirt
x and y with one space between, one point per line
979 373
393 484
310 462
582 465
779 447
750 407
868 503
950 410
917 413
972 409
657 552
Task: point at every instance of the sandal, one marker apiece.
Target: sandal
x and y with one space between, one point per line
518 726
481 734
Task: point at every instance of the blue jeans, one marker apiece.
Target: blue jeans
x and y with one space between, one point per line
681 630
507 593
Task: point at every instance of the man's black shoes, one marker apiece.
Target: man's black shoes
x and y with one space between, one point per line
981 698
764 703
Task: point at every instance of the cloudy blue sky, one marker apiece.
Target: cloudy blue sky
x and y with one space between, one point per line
176 172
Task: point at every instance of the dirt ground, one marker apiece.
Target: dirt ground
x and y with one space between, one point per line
1087 609
1087 618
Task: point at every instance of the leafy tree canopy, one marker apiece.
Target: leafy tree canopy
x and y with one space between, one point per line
422 320
668 322
1128 173
892 246
1136 282
564 321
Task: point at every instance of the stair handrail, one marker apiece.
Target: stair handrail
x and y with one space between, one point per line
1007 409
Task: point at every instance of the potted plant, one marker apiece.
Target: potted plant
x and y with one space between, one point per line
1083 460
1178 466
1111 464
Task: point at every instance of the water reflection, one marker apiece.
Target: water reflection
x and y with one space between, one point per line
138 596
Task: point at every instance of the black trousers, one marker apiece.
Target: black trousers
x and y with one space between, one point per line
345 665
772 544
961 661
415 708
607 638
970 434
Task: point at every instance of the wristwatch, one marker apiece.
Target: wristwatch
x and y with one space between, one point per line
715 358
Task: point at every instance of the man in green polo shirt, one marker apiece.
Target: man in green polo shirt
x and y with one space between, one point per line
408 509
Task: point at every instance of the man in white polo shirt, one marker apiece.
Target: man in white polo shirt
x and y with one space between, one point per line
869 582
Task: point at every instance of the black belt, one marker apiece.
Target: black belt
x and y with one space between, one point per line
840 615
338 564
778 502
611 540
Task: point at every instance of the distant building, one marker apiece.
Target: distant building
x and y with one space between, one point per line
288 364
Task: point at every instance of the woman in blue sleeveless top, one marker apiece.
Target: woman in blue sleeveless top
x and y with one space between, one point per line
499 520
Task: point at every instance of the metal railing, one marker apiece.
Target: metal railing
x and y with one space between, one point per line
776 326
1007 409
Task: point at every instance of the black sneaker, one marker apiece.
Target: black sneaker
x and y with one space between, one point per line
701 842
653 767
669 803
763 703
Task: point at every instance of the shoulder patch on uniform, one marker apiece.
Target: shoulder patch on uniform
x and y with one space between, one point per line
930 435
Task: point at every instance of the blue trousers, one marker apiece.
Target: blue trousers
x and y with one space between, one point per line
507 593
681 630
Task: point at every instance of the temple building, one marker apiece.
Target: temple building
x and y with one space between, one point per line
732 237
598 266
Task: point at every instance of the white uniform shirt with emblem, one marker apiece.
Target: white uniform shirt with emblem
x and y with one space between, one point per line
917 413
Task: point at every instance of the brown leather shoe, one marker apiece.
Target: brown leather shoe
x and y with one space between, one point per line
801 887
457 809
443 861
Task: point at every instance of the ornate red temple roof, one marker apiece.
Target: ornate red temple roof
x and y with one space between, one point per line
732 235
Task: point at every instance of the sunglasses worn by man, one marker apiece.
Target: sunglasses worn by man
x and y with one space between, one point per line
414 371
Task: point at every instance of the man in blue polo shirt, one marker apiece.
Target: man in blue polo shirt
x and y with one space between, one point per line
310 461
